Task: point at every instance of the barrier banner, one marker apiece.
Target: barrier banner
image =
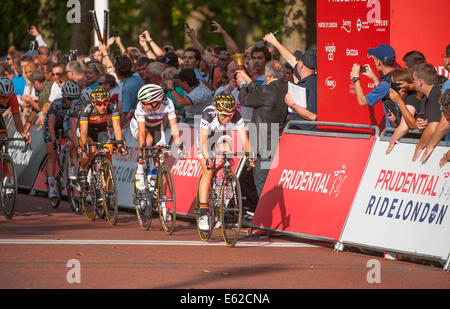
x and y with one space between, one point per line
27 164
310 189
402 206
345 31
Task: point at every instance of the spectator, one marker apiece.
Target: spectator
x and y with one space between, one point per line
40 103
305 67
41 43
134 54
441 131
6 70
130 87
168 75
446 67
192 59
384 59
141 66
154 72
28 90
108 81
408 102
58 80
197 96
145 38
96 55
260 57
412 58
288 73
47 68
93 71
268 108
169 59
426 81
74 71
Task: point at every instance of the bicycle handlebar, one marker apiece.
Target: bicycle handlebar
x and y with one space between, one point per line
16 139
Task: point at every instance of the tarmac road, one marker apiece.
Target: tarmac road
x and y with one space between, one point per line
45 248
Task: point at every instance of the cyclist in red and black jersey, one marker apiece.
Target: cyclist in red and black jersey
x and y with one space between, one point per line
9 100
94 127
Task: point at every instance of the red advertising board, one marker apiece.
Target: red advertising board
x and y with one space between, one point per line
310 190
429 25
345 31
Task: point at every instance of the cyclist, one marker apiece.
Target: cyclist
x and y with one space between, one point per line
94 127
72 130
217 120
148 124
53 124
9 100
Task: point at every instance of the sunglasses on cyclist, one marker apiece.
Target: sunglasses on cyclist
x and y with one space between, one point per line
101 103
152 104
226 115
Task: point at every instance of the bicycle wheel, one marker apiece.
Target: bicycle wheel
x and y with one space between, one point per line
143 205
230 209
167 205
204 235
89 199
109 192
74 199
8 186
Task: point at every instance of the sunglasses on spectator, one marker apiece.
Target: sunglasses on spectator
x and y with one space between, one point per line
101 103
226 115
57 74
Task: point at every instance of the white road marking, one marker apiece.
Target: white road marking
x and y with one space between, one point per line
149 243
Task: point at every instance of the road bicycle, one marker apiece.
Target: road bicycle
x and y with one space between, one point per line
8 183
62 179
159 193
224 203
102 192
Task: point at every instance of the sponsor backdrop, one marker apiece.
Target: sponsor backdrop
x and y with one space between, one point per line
27 164
430 38
402 205
345 31
311 190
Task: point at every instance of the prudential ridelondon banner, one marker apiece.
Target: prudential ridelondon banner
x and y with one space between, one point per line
402 205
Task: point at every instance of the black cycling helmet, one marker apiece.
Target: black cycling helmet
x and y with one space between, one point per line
224 102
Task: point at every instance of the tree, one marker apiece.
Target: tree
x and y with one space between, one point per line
82 32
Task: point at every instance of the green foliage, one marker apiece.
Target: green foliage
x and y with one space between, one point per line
131 17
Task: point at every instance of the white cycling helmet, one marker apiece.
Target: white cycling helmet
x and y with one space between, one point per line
70 90
150 93
85 95
6 87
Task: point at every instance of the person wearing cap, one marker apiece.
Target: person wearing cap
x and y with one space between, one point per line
197 96
305 65
384 60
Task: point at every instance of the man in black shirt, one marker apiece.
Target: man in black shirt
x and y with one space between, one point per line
425 80
269 110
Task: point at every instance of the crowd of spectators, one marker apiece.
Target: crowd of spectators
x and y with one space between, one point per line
191 77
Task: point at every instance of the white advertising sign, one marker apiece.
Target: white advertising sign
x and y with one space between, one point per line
402 205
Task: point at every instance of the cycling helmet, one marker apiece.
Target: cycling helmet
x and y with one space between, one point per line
150 93
70 90
6 87
85 95
100 94
225 102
